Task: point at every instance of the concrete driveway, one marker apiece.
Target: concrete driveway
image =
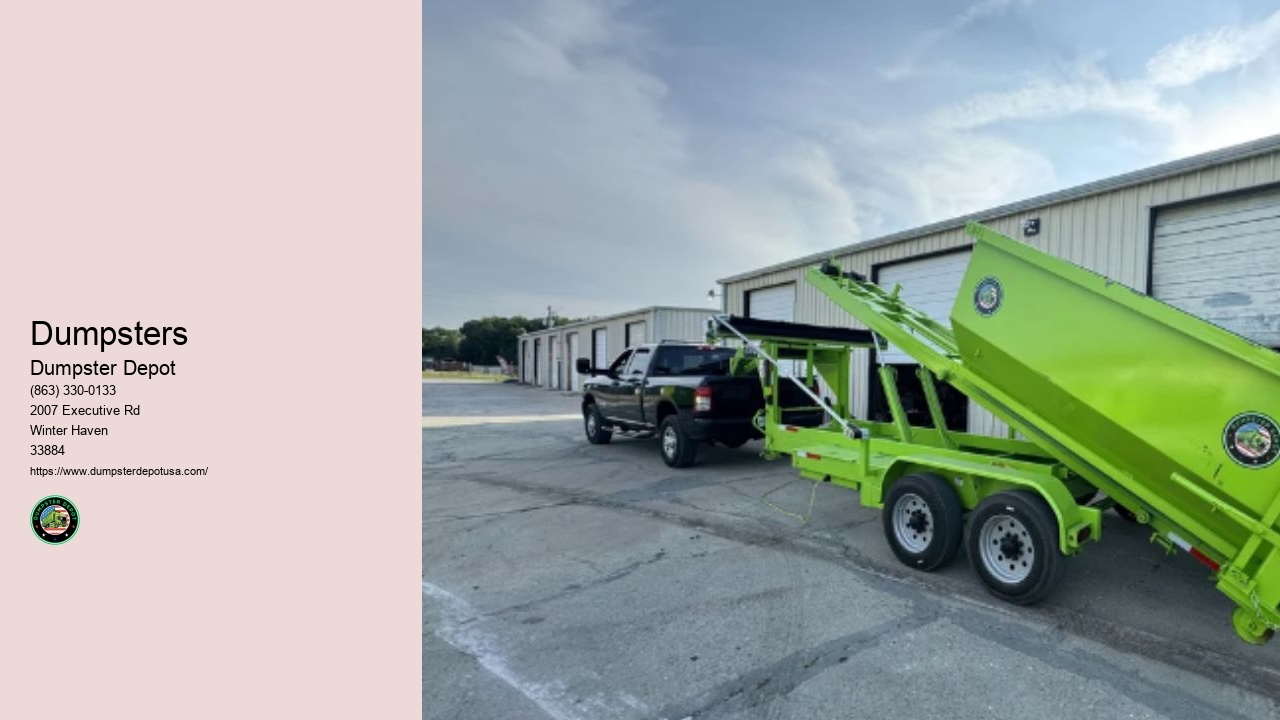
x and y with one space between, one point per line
569 581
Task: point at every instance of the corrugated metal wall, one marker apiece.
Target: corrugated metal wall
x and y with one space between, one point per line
663 323
618 333
680 324
1107 233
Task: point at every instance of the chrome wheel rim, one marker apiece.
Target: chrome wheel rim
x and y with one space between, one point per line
669 442
912 523
591 424
1006 549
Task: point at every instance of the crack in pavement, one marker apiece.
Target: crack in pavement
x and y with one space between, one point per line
779 678
456 627
576 588
497 513
1048 648
915 586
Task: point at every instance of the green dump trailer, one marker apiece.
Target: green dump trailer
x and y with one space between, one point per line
1172 418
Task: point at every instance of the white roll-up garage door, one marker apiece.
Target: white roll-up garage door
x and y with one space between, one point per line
774 303
600 347
636 333
1220 260
929 285
573 363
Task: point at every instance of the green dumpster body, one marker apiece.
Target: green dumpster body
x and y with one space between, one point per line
1165 412
1171 416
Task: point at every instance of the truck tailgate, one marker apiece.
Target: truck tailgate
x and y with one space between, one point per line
734 397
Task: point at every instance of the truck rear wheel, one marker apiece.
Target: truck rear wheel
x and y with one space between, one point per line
677 449
923 521
593 424
1013 545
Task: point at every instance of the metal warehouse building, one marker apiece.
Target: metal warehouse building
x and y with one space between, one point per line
1201 234
547 356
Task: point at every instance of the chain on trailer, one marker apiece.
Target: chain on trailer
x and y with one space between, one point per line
850 430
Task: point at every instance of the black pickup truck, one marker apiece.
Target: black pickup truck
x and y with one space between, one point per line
685 393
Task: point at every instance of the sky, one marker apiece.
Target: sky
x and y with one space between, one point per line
597 157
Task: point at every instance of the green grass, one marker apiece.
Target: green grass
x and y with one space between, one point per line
439 375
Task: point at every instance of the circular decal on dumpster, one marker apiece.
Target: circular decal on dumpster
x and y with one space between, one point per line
55 519
1252 440
987 296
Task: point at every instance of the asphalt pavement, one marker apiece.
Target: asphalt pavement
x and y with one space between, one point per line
569 581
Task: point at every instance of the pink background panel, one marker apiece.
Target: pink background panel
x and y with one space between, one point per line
250 171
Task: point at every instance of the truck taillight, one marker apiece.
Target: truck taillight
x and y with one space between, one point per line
702 399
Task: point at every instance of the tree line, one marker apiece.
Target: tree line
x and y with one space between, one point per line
480 342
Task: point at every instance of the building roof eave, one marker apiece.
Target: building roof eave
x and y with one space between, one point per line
1116 182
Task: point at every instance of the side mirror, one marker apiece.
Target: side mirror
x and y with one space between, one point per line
584 366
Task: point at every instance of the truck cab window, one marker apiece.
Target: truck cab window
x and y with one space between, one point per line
690 361
621 362
639 362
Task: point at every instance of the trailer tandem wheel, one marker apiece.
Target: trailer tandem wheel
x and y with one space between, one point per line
923 521
1013 545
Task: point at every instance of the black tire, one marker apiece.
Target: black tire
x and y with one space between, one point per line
923 521
677 449
593 423
1013 545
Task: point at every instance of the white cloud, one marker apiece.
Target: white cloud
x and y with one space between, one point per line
1087 88
1252 114
926 41
551 150
953 161
817 210
1213 51
968 172
923 174
1152 97
557 169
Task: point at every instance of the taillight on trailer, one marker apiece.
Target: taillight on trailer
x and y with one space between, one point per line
702 399
1194 552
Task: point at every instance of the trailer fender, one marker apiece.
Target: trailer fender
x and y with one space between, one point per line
1076 524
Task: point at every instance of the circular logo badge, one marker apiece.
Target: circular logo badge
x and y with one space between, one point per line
987 296
55 519
1252 440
